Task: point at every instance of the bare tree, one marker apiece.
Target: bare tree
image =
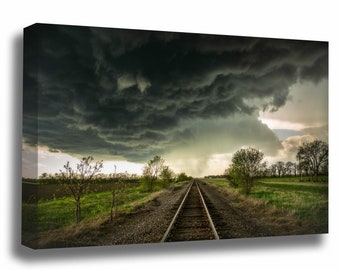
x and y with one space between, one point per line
295 168
314 155
152 171
280 167
77 181
303 168
289 168
273 170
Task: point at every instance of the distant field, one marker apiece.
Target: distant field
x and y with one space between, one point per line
48 214
307 201
32 192
298 179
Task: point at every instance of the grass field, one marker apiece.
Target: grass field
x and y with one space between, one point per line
49 214
305 201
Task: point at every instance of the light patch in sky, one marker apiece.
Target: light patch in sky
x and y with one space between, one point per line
273 123
29 161
286 133
289 149
306 108
218 163
213 141
128 80
122 167
201 166
53 162
35 162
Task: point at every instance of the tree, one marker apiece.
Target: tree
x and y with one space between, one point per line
152 171
182 177
303 168
263 170
313 156
295 168
273 170
280 167
44 176
289 168
246 166
232 176
77 181
167 176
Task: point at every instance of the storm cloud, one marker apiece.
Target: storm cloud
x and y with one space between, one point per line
132 94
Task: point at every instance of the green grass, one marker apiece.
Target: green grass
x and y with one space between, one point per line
297 179
291 187
306 202
60 212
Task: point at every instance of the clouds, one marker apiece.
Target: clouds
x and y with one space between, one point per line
127 81
128 94
290 148
207 141
306 107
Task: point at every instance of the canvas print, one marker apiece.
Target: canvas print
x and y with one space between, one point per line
139 136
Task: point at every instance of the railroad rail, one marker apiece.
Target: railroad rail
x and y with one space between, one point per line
192 220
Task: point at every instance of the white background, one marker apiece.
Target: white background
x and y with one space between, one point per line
316 20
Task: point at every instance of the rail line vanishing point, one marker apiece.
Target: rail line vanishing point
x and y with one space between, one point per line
192 220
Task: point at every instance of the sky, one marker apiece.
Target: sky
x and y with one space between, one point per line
124 96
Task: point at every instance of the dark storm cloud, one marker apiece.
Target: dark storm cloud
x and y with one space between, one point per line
123 93
318 69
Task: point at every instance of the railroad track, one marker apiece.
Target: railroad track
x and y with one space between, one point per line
192 220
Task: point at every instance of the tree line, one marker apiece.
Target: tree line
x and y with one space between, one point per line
76 181
157 170
247 165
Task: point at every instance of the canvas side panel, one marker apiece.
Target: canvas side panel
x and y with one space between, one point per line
30 137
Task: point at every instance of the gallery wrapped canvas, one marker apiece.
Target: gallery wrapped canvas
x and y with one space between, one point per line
140 136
